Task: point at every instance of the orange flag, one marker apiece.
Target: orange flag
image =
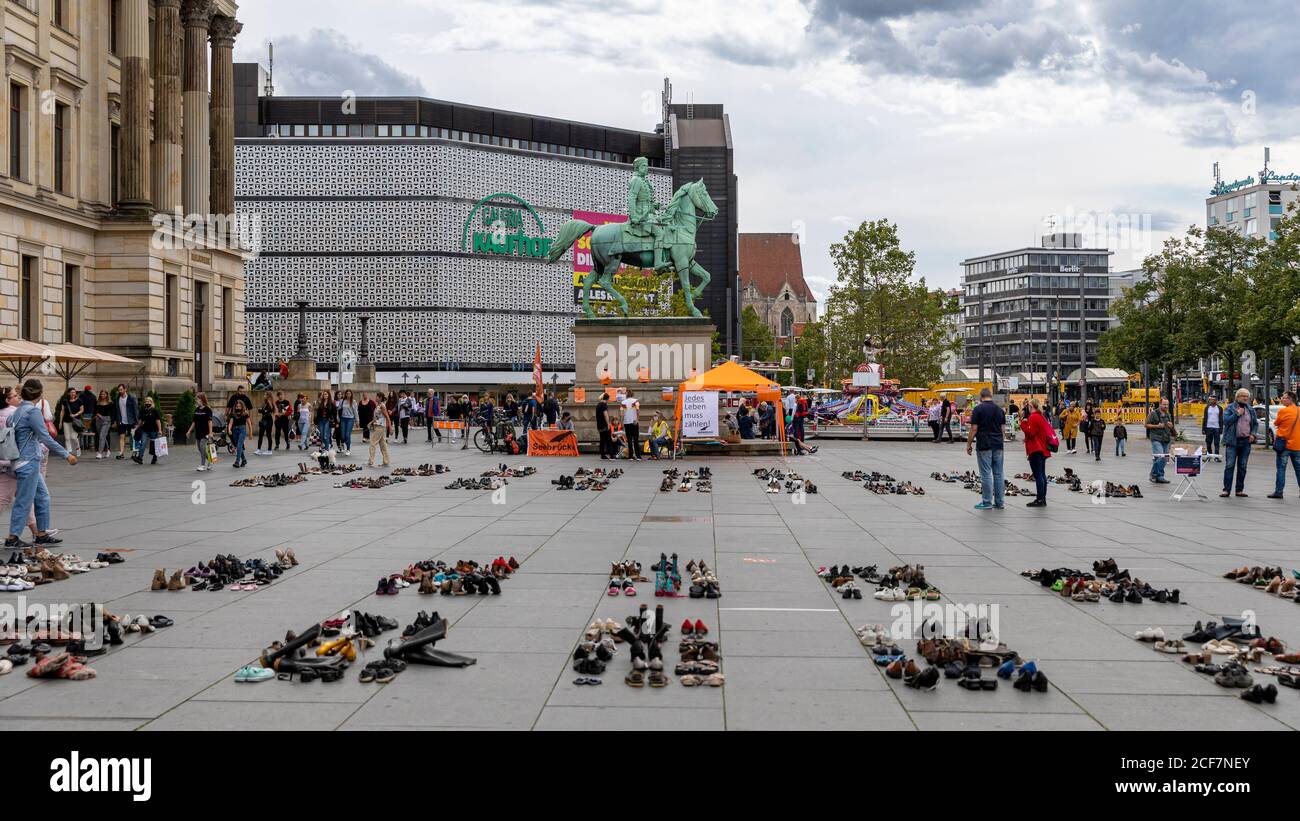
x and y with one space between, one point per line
537 372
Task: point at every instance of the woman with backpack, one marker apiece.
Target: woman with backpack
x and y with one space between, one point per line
1040 441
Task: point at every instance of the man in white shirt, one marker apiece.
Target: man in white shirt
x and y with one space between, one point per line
1212 427
631 406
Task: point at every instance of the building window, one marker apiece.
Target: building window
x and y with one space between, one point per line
313 131
787 322
228 321
170 309
71 303
61 14
114 161
61 152
28 287
17 131
300 131
286 130
114 17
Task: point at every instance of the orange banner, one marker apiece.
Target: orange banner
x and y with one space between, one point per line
552 443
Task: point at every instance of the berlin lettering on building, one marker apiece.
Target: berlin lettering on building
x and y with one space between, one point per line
496 225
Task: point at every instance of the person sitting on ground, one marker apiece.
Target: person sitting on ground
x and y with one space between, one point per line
262 383
566 421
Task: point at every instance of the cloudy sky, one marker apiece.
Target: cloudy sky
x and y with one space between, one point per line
970 123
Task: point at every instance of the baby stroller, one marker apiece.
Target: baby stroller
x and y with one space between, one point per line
219 438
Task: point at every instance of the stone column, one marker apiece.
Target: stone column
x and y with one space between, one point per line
135 181
169 39
222 139
364 357
301 365
196 15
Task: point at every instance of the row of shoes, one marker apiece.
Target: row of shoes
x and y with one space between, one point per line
598 473
449 583
1115 490
422 470
1273 580
767 474
623 586
629 569
371 482
576 482
1155 636
486 483
670 483
270 480
644 636
891 488
506 472
774 485
331 469
704 582
864 476
964 477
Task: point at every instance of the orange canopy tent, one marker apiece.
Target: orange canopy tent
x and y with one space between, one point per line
732 377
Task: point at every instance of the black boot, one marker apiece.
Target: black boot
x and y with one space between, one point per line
418 649
271 658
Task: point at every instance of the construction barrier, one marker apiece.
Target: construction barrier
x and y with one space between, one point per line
452 427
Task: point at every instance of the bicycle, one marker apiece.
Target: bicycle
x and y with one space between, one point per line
491 437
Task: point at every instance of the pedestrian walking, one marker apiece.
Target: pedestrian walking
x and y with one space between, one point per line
103 422
201 430
31 493
379 425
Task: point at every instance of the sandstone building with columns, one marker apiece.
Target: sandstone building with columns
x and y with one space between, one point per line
116 184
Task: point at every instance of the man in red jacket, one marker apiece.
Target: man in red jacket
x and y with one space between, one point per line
1038 432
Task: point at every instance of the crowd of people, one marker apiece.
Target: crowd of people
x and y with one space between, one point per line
1230 433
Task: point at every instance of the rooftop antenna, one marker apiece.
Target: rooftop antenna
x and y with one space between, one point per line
1216 174
690 105
1263 175
269 90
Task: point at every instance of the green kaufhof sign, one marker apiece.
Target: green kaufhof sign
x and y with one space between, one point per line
497 225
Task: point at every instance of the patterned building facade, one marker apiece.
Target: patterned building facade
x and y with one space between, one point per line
772 283
385 228
119 110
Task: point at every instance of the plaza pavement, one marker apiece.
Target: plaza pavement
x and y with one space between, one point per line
790 655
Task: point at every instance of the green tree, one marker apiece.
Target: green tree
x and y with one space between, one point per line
875 295
1270 317
810 353
183 416
756 337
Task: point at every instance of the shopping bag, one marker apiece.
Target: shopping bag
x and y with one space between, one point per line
212 452
160 446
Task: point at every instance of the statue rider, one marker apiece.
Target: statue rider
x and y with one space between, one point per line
643 212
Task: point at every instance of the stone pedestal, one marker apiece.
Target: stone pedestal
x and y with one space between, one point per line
665 351
302 370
